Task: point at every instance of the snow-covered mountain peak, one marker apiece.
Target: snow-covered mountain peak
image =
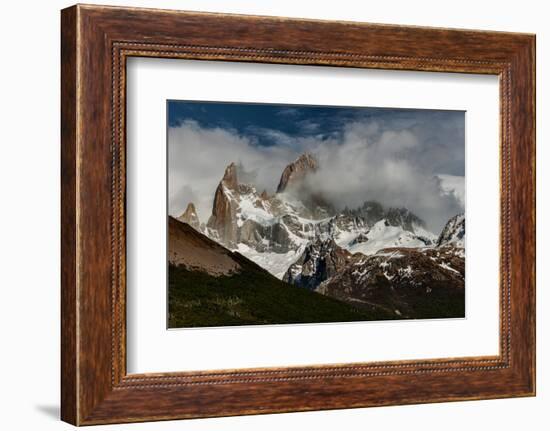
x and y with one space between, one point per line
454 232
276 230
383 235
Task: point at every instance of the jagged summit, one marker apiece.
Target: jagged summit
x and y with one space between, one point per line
223 209
404 217
190 216
374 211
321 260
297 171
230 176
454 232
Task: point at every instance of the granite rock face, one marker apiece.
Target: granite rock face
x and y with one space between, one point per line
222 220
296 171
454 232
190 217
320 261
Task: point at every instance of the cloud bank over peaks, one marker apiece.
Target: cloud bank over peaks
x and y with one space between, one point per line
366 160
386 170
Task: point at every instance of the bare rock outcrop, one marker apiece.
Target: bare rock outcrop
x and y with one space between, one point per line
454 232
190 217
320 261
223 215
297 171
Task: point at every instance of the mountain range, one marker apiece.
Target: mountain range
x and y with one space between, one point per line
379 259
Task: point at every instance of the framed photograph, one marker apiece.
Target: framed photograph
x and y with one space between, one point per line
264 215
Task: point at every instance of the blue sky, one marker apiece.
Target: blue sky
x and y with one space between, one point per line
440 131
386 154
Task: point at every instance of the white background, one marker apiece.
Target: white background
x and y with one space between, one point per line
151 348
29 220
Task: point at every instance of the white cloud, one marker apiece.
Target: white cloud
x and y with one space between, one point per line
198 157
359 169
362 163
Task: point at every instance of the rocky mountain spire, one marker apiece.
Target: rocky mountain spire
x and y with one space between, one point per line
454 232
296 171
190 216
230 176
223 216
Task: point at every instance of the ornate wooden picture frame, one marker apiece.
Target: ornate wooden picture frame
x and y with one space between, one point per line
96 41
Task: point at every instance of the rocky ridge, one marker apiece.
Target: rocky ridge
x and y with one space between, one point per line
189 248
190 217
320 261
454 232
398 278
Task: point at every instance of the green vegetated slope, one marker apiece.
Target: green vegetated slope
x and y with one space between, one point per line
252 297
